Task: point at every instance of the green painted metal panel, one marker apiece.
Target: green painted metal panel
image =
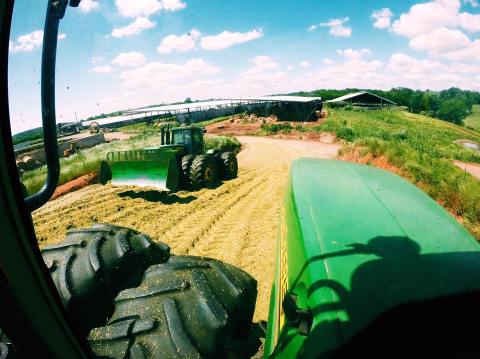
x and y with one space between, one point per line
155 167
355 242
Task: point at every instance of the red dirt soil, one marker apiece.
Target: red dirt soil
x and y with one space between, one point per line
227 128
239 125
381 162
75 185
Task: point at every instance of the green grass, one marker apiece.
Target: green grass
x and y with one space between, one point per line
422 148
473 121
136 127
88 161
222 143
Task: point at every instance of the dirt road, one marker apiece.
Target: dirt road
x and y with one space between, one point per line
472 168
236 222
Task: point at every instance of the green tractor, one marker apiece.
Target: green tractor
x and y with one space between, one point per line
367 266
179 162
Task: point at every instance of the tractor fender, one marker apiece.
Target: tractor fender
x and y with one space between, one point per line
356 244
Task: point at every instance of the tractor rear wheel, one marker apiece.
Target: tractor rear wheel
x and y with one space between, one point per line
188 307
94 264
203 172
229 165
186 165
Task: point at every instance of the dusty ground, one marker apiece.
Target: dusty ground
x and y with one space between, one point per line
236 222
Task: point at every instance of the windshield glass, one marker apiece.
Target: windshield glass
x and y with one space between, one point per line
392 85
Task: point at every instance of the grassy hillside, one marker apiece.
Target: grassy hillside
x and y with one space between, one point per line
29 135
473 120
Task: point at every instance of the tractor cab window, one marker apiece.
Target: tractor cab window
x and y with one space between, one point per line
181 137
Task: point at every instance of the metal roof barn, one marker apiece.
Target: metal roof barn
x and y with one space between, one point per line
362 99
200 110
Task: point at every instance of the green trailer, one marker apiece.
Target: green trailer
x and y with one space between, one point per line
179 162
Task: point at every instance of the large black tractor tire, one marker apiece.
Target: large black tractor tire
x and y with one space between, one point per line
204 172
185 166
189 307
93 265
228 165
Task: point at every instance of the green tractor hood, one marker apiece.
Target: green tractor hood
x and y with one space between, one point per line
357 242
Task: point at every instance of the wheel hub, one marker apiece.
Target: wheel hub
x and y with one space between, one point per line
208 174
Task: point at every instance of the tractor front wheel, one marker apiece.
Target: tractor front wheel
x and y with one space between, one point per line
229 165
186 166
203 172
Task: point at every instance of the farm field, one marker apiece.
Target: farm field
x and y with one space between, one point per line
237 222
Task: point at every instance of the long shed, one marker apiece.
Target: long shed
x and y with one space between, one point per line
362 99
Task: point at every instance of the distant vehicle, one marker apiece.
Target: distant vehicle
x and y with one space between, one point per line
180 161
68 128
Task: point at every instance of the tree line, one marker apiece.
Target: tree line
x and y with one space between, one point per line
452 105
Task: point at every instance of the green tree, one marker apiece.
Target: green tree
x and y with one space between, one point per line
454 111
430 103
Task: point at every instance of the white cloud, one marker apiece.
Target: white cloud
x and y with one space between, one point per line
62 36
470 53
28 42
352 55
337 27
436 28
183 43
312 28
328 61
432 74
382 18
136 27
425 17
157 75
129 59
87 6
262 78
440 40
136 8
173 5
469 22
261 64
305 64
348 73
290 67
103 69
227 39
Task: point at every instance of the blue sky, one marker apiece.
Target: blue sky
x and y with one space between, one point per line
117 54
